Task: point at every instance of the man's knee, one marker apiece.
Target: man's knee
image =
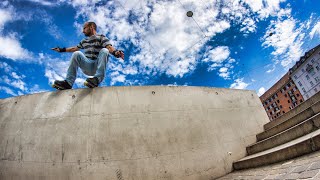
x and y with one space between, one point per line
104 51
76 54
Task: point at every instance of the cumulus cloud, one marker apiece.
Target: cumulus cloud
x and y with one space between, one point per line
286 38
223 72
265 8
261 91
7 90
55 68
44 2
12 78
217 55
239 84
5 16
315 30
10 47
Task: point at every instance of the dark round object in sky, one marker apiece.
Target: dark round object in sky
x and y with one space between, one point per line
189 13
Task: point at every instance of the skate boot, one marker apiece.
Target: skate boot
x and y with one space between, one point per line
91 82
61 85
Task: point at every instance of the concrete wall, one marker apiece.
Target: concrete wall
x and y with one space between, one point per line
127 133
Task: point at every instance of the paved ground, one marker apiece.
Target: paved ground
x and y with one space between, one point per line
304 167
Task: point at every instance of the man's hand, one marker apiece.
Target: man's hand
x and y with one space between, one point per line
58 49
119 54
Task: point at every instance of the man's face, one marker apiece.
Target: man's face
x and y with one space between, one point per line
87 30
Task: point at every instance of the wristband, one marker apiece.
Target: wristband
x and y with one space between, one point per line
62 49
114 53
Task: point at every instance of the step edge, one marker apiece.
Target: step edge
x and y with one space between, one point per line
294 128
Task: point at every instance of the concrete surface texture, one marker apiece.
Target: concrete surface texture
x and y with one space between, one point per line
304 167
154 132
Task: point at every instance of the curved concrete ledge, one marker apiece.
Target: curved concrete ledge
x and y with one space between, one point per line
155 132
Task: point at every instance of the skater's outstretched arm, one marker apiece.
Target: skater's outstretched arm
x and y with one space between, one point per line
69 49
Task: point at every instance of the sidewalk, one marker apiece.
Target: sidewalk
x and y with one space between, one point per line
304 167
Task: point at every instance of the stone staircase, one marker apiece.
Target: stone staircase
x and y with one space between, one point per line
294 134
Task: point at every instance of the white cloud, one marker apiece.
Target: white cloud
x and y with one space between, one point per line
218 54
315 30
11 48
265 8
5 16
248 26
8 90
117 78
261 91
7 68
286 39
239 84
36 89
19 84
55 69
271 70
223 72
44 2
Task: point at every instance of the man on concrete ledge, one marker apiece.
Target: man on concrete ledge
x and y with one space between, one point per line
93 62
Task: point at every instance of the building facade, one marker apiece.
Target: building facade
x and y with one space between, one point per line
281 97
306 73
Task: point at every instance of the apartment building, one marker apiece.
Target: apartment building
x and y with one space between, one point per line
281 97
306 73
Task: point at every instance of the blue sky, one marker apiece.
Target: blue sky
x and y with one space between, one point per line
242 44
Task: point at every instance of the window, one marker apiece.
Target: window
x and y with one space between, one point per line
304 90
311 83
299 83
285 95
298 95
312 60
283 112
301 100
307 76
315 90
307 96
280 106
295 76
317 79
288 101
278 101
317 67
303 70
